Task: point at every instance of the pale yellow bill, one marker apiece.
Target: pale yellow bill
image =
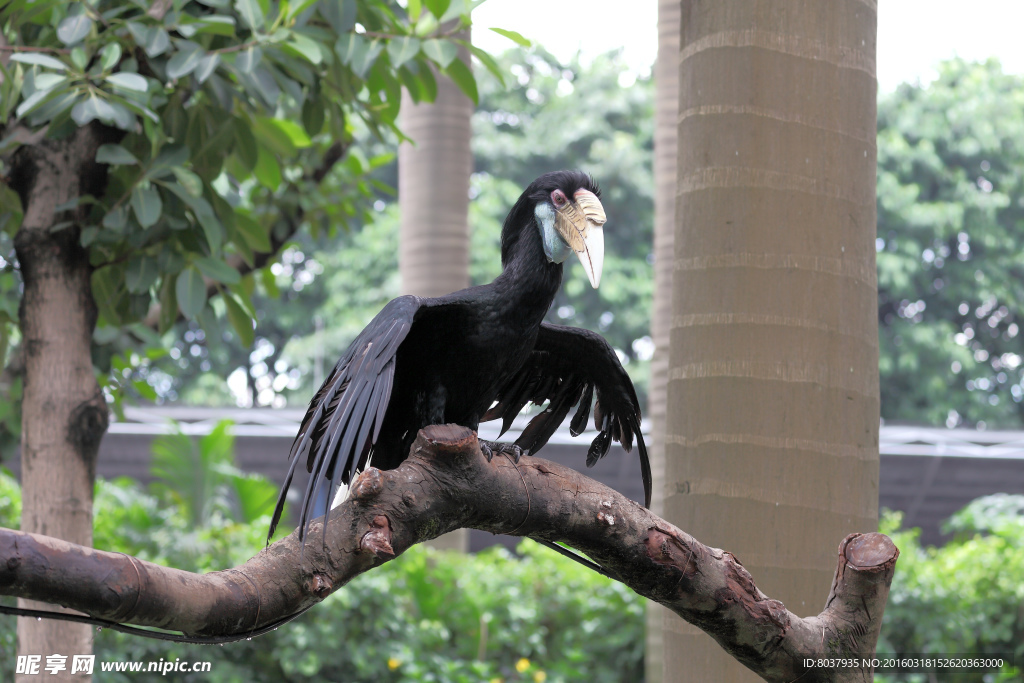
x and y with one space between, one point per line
581 225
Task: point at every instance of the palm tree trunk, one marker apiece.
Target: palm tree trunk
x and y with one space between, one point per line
666 109
433 195
773 380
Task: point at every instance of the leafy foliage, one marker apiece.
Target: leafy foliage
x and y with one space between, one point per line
201 478
950 240
966 597
427 616
238 120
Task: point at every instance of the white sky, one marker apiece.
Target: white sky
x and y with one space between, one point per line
913 35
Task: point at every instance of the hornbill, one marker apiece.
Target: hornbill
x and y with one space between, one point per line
478 354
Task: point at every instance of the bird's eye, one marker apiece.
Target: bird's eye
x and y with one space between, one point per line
558 198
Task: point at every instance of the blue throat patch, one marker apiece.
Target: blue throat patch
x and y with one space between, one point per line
555 248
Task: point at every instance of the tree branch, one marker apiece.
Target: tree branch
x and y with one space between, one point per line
446 484
332 155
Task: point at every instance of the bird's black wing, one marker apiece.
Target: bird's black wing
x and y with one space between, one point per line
345 416
566 367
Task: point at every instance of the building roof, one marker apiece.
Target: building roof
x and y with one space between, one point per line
928 473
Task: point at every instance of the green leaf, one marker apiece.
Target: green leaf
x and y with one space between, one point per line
48 81
254 234
401 50
73 29
39 60
216 25
441 51
145 390
169 157
116 219
251 13
207 65
313 115
106 291
153 39
358 52
488 62
146 205
116 155
266 170
94 107
248 60
168 304
191 291
110 56
428 83
463 77
516 38
269 281
185 60
294 131
438 7
212 229
307 47
199 206
426 25
245 144
218 270
128 81
340 14
281 136
79 58
192 183
240 320
140 274
301 7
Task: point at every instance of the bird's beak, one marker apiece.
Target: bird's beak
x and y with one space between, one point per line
581 225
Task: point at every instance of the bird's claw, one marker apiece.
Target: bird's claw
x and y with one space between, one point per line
491 448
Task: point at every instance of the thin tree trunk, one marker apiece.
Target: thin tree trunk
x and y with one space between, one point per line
64 415
433 195
666 109
773 385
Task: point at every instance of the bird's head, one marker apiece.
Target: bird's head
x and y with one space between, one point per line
568 214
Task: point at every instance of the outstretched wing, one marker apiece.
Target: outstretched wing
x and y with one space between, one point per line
567 366
344 418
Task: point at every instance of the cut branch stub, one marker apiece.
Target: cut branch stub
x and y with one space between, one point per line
378 539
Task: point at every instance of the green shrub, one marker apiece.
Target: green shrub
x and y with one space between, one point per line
426 616
966 597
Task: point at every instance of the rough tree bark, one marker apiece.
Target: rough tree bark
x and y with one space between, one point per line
433 197
64 415
666 111
447 484
773 385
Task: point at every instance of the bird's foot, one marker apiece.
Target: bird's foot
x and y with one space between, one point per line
492 448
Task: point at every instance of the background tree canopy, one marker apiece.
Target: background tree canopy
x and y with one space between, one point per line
222 178
228 126
950 230
951 248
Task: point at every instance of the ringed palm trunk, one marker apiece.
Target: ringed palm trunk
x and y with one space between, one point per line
772 438
64 415
666 108
433 195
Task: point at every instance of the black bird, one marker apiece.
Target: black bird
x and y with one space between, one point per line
475 355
